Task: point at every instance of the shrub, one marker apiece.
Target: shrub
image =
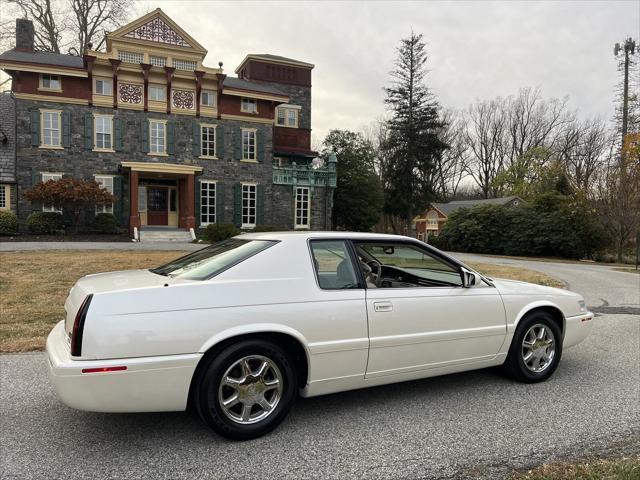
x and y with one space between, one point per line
216 232
105 223
8 223
266 228
45 222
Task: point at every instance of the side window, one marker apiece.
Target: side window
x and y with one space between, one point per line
333 265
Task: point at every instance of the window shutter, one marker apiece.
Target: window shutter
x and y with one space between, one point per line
118 141
219 202
117 205
220 141
237 205
260 146
238 145
198 202
260 205
171 145
35 128
36 178
88 131
197 138
144 136
66 129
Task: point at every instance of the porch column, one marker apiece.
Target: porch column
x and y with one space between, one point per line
191 201
134 216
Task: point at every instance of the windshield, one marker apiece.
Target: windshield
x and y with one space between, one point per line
212 260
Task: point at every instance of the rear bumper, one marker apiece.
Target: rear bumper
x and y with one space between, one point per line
577 329
149 384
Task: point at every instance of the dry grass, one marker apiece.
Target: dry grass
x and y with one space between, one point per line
516 273
34 285
611 469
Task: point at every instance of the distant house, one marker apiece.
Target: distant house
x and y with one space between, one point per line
431 222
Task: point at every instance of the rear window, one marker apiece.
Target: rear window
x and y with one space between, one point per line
212 260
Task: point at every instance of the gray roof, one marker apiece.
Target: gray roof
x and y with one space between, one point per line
268 56
44 58
450 207
233 82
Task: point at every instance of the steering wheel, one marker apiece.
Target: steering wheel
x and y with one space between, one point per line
377 268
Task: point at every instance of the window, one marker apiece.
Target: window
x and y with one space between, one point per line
432 221
405 265
249 194
333 265
208 98
249 105
5 196
157 138
208 141
212 260
248 144
188 65
45 178
131 57
207 202
50 82
278 162
157 61
105 182
103 127
302 207
157 93
103 87
287 116
50 128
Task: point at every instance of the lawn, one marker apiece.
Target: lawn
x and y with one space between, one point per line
34 285
611 469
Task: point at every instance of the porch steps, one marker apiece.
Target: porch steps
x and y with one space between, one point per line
178 236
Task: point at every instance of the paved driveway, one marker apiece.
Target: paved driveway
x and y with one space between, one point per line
474 424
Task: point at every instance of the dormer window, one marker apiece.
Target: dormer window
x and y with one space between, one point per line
249 105
49 82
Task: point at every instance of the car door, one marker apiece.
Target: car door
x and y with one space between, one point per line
421 317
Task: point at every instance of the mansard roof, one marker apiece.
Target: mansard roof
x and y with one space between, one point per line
241 84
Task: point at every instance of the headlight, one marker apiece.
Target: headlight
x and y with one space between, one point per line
582 305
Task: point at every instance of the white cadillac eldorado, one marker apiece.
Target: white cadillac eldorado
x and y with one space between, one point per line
236 330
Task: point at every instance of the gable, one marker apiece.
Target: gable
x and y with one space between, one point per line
156 30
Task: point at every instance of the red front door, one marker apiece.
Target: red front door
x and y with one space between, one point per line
157 205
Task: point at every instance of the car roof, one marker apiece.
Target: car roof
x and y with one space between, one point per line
303 235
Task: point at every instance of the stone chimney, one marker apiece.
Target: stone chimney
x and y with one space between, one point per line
24 34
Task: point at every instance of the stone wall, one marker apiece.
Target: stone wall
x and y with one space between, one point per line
298 96
7 138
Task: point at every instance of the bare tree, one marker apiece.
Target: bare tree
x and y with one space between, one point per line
66 26
485 135
451 167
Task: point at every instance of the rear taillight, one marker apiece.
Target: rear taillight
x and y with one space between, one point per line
78 327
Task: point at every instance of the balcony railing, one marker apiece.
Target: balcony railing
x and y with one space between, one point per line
305 176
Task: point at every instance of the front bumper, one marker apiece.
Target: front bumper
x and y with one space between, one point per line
577 328
149 384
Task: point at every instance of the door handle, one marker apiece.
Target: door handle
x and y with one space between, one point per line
383 306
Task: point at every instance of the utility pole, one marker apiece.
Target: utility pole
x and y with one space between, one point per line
629 48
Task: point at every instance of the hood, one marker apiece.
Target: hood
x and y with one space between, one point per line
515 287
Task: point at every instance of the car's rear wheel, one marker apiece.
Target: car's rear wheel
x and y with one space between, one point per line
247 389
536 348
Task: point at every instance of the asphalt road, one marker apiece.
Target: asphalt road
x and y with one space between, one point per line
475 424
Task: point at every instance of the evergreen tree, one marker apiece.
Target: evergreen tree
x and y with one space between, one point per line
413 144
358 197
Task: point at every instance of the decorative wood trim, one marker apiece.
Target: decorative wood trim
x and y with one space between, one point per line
169 73
268 121
252 94
47 98
161 167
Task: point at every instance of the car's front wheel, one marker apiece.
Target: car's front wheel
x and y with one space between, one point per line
536 348
247 389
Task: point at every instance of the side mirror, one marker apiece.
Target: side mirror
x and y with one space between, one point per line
470 279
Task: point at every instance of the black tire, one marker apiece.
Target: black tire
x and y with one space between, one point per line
208 387
515 365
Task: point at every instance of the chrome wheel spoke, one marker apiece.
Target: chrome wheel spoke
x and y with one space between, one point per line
262 371
271 384
231 382
264 403
231 401
246 412
541 333
528 356
246 369
538 348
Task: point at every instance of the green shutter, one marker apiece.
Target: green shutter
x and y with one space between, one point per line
260 205
219 202
220 141
238 144
88 131
260 145
198 202
118 130
144 135
66 129
35 127
171 144
117 206
36 178
237 205
197 138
